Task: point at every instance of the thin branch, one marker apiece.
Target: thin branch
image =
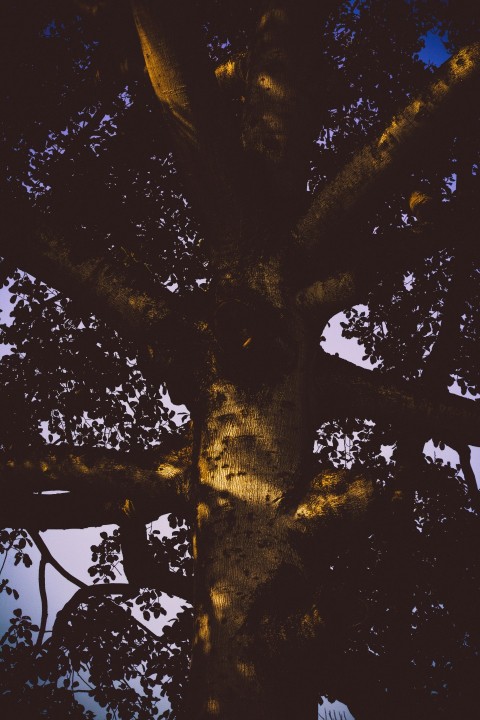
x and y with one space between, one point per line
44 600
365 176
6 555
48 558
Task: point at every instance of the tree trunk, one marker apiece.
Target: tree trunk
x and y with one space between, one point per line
251 446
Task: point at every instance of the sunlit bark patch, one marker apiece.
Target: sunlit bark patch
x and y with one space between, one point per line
220 601
246 669
336 493
213 707
203 633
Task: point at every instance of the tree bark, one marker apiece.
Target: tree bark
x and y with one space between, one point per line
251 454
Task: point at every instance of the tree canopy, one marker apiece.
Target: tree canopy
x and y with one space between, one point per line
191 192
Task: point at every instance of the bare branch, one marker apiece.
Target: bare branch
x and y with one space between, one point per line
94 485
366 174
47 557
184 82
44 600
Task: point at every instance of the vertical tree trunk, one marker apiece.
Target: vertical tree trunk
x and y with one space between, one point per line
251 449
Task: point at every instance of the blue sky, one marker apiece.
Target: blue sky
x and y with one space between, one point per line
434 52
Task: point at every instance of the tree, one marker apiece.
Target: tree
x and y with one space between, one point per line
293 161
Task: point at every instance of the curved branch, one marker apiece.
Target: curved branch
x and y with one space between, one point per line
365 175
92 486
90 591
44 600
47 557
98 591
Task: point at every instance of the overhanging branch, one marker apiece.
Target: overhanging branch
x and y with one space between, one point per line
90 487
365 175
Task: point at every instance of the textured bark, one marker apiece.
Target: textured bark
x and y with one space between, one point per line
251 454
231 75
263 529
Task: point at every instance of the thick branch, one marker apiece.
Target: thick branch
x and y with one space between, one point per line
95 484
184 82
335 495
141 568
344 389
380 254
365 175
137 307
